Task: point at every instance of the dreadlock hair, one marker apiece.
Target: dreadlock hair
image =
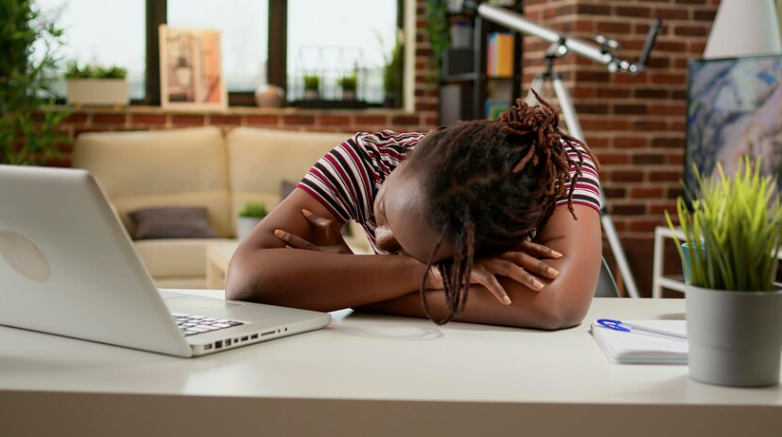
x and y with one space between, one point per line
495 183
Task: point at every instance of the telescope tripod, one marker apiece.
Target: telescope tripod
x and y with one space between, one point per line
574 129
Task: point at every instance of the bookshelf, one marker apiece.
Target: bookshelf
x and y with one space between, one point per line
465 85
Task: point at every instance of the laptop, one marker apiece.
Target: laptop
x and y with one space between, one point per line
68 267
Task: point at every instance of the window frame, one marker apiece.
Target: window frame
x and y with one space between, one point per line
277 65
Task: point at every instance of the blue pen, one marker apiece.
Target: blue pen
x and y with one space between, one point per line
618 325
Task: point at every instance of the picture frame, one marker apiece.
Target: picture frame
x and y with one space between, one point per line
191 69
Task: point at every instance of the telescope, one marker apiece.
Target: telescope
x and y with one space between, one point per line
601 50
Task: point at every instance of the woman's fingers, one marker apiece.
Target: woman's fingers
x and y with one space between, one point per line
488 280
518 274
531 263
294 241
538 250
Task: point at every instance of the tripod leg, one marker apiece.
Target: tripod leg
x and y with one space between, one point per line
574 129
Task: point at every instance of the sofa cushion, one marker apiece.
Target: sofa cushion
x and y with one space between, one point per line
171 222
175 258
180 167
261 158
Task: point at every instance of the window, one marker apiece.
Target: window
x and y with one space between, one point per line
334 38
91 38
244 28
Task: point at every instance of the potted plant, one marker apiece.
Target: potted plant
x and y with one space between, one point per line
29 126
392 75
734 309
249 217
96 85
311 87
348 84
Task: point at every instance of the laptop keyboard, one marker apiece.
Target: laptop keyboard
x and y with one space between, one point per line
192 324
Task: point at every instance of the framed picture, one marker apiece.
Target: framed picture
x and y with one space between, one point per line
191 73
733 109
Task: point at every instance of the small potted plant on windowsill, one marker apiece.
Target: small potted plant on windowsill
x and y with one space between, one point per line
249 217
96 85
348 85
734 308
311 87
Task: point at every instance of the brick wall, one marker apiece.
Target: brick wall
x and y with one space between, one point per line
635 125
423 118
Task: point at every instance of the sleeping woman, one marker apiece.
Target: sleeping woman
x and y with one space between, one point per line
492 222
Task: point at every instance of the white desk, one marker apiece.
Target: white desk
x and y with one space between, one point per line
373 376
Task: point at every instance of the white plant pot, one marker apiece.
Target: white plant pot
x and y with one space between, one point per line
348 95
99 92
245 226
311 95
735 336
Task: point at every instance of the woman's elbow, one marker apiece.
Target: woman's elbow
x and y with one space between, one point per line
241 282
563 311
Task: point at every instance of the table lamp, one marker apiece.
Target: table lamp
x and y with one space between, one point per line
745 28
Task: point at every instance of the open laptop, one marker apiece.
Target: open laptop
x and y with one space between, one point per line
67 267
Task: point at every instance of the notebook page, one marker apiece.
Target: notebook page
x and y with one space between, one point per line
644 347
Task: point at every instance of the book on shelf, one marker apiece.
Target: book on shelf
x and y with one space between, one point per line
495 107
500 54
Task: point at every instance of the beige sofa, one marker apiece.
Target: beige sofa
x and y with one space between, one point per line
198 167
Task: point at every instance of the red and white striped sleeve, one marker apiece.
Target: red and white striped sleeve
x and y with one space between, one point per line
587 190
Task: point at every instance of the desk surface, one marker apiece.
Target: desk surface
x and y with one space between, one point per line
367 357
380 357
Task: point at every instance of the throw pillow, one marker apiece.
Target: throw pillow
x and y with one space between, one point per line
172 222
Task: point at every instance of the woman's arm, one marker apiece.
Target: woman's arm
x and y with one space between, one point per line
263 270
563 302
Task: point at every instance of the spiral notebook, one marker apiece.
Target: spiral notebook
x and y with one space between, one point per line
639 347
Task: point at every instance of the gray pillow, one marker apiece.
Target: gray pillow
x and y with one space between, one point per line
172 222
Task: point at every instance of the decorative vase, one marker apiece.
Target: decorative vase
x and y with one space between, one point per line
735 336
98 92
245 226
311 95
269 96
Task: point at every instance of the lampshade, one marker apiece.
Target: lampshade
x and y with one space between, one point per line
744 28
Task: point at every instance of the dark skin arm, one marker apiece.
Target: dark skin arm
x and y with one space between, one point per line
562 303
263 270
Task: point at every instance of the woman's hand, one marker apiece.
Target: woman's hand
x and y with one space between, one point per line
519 265
329 228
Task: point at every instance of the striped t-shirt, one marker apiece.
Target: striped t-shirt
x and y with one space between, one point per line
346 180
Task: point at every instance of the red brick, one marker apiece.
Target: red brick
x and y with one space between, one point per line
705 15
406 120
675 192
76 118
109 118
691 2
670 46
675 158
612 158
613 27
614 193
225 120
665 176
299 120
646 193
613 92
333 120
630 142
371 120
669 78
648 158
634 11
690 31
646 93
188 120
630 109
155 119
590 9
649 126
627 176
592 108
604 124
668 143
632 209
263 120
644 225
661 208
678 110
671 13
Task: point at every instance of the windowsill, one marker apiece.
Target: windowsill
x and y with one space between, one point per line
234 110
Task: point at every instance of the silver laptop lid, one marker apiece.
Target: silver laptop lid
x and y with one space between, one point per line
68 267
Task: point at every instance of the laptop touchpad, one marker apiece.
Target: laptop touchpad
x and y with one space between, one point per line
197 305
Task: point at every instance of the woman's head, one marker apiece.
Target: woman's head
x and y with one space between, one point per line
478 188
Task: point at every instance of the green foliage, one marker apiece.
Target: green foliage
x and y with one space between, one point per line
254 210
311 82
739 222
437 28
348 83
75 71
28 129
